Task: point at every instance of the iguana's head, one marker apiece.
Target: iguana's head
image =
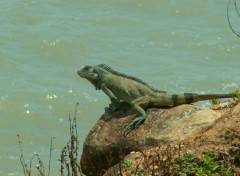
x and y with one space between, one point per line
90 73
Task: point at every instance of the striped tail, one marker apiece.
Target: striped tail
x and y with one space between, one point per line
187 98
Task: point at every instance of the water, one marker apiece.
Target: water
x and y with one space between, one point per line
178 46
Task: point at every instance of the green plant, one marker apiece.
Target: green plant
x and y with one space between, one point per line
209 165
127 163
138 173
186 164
236 92
215 102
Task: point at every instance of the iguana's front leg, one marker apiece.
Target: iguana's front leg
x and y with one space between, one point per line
115 102
113 106
138 105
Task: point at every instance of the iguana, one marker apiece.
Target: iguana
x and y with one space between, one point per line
120 87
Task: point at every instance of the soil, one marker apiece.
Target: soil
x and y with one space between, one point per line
223 134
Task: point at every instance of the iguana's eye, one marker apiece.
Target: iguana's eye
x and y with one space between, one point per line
86 68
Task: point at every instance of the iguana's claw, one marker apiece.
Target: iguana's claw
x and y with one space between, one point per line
132 125
112 107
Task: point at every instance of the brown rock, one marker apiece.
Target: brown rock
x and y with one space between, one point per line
105 146
236 110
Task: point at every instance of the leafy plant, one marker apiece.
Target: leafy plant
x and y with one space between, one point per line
236 92
209 165
186 164
127 163
215 102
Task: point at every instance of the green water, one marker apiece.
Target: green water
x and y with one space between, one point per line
178 46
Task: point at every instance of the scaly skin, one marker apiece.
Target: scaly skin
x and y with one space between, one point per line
123 88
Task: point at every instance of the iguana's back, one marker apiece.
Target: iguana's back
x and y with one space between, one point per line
126 89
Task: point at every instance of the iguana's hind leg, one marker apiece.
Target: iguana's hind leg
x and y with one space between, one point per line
138 105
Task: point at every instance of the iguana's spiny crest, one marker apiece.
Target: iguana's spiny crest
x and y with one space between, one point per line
96 70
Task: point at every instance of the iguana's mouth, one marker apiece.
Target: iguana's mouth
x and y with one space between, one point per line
87 75
79 73
83 74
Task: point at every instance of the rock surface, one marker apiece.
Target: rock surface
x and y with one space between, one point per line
105 146
222 137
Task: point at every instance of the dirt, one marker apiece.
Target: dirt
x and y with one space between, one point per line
223 134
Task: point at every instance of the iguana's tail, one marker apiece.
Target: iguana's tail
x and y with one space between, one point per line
187 98
166 99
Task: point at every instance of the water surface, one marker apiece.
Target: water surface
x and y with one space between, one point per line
178 46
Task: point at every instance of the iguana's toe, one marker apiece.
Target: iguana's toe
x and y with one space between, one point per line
111 108
132 125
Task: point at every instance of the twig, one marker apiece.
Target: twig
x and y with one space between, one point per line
30 166
71 164
40 167
62 160
24 165
76 132
50 155
229 23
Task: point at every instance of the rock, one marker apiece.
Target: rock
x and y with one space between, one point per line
236 110
105 146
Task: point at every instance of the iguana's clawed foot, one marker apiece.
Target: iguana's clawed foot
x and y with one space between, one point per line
132 125
112 107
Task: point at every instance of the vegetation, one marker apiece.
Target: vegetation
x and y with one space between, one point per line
69 158
165 161
188 164
237 93
210 164
215 102
128 164
70 164
27 169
